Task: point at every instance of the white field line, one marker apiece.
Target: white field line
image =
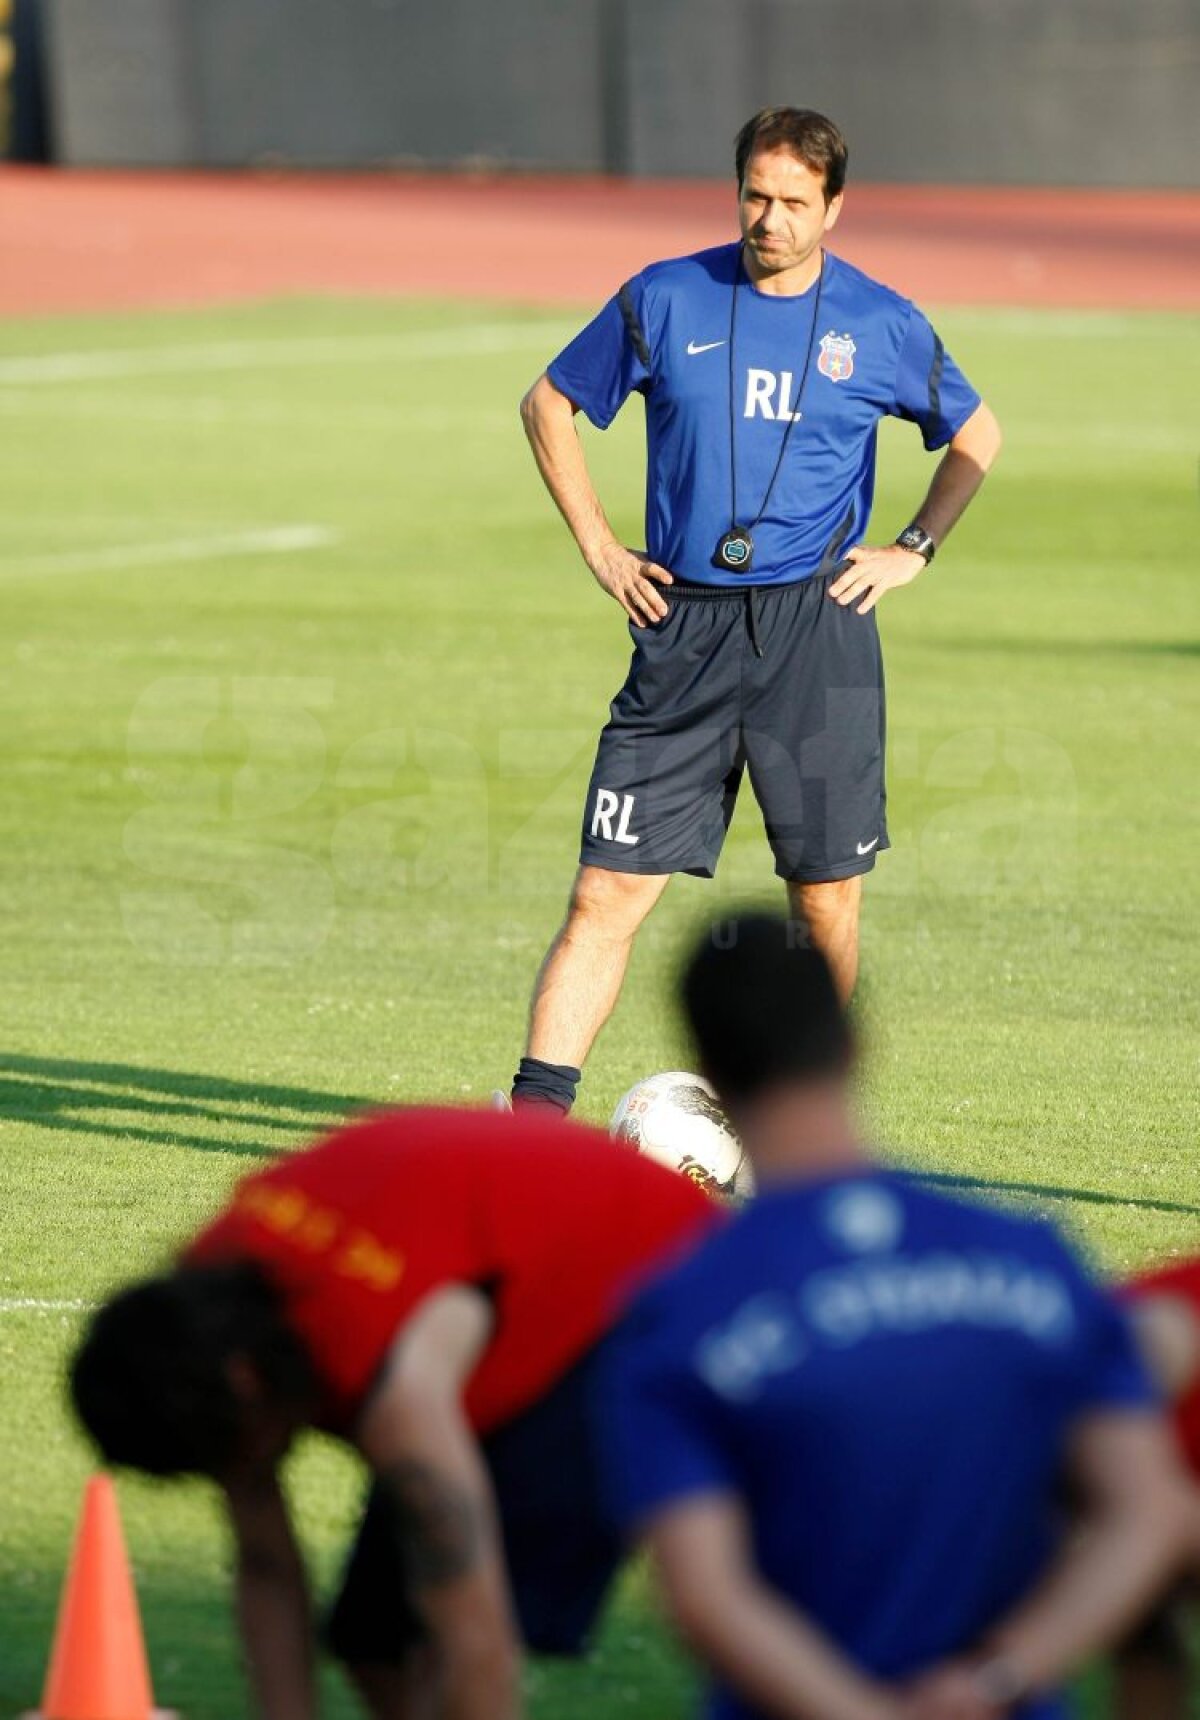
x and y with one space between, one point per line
36 1305
268 540
469 341
1048 324
202 410
52 524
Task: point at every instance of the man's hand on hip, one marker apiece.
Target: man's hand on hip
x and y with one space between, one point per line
630 576
874 571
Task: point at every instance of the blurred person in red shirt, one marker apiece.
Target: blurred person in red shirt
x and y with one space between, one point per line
430 1286
1153 1668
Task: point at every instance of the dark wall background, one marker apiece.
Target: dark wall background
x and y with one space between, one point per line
1033 91
22 107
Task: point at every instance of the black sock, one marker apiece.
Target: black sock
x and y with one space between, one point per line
538 1083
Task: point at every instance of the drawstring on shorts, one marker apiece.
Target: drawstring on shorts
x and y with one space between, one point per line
752 621
747 595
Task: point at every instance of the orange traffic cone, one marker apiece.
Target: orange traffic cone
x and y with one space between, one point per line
98 1668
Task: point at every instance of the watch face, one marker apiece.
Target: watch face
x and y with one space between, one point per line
914 538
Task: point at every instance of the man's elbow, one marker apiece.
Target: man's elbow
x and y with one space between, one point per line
537 400
544 406
1165 1518
981 437
994 437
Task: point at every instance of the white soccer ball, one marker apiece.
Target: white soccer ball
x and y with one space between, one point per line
677 1119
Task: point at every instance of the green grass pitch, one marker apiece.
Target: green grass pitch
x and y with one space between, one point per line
286 829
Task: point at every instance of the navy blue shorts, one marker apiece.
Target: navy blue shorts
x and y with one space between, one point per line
779 681
562 1552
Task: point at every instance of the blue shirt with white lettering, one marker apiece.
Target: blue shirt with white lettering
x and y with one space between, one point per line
887 1379
666 335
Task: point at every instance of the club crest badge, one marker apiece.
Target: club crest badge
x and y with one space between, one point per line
837 357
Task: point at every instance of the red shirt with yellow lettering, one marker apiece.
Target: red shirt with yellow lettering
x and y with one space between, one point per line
1182 1281
552 1220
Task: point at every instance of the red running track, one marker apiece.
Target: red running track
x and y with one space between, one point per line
74 241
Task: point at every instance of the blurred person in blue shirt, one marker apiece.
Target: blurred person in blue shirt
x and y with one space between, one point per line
847 1425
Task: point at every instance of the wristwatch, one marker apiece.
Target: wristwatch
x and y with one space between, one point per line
916 538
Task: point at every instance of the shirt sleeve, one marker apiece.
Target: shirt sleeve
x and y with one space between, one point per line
1109 1371
608 359
1180 1278
931 391
657 1423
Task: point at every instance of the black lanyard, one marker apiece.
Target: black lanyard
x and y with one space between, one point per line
735 551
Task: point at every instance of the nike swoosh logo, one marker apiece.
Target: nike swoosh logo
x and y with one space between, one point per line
693 349
866 847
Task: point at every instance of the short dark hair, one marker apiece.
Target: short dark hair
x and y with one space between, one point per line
809 136
762 1006
150 1381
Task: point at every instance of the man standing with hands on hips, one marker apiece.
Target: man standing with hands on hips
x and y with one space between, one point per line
766 366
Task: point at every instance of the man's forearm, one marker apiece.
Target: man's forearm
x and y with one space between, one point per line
779 1662
1102 1582
627 575
415 1435
271 1599
550 426
954 485
481 1685
870 572
451 1546
273 1615
959 474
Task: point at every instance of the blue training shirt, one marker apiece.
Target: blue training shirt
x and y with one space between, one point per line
887 1378
873 355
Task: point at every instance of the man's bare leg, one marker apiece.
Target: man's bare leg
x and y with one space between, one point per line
830 911
580 979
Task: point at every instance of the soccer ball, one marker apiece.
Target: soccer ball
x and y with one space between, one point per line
676 1118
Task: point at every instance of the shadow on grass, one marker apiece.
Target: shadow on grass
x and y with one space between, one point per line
146 1105
1050 1191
